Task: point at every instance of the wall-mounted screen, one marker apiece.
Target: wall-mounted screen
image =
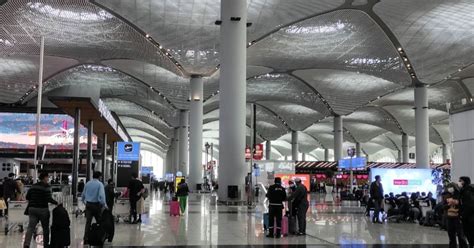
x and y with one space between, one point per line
406 180
18 131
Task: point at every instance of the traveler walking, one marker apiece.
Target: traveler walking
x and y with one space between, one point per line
276 195
80 186
454 227
135 189
38 197
467 208
182 193
376 195
9 190
299 201
110 194
93 197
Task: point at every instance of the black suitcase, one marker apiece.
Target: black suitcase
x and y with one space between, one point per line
97 235
108 224
60 231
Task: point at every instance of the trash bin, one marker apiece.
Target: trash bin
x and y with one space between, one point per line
232 191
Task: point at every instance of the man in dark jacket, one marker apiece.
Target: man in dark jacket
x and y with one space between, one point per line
467 208
300 202
135 189
276 195
110 194
376 194
38 197
9 190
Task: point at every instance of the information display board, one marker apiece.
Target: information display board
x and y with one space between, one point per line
405 180
128 161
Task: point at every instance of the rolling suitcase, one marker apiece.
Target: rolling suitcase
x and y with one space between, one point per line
97 235
265 221
284 226
174 208
60 231
108 224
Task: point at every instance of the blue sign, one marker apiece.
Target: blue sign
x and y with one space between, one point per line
355 164
128 151
146 170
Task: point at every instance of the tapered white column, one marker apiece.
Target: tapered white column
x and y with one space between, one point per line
268 150
422 127
399 156
232 85
195 133
176 151
303 156
405 157
358 150
326 154
338 137
294 145
183 142
445 153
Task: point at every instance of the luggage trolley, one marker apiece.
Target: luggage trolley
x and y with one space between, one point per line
16 216
122 209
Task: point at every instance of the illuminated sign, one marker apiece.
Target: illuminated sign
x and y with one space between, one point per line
129 151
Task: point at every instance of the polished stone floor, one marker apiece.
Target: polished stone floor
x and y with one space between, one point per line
330 223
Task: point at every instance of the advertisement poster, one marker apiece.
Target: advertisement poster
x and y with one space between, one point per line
18 131
285 178
405 180
128 161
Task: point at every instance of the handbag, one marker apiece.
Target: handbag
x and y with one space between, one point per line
3 205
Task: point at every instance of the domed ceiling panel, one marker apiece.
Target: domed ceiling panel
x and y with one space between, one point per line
343 40
19 73
346 91
298 117
436 34
74 29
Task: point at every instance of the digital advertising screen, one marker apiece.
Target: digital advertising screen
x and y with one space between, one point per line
18 131
285 178
405 180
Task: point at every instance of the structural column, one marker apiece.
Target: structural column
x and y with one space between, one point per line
326 154
90 131
233 34
176 150
195 133
303 156
399 156
358 150
445 153
104 157
338 137
422 127
268 150
75 156
294 145
184 142
405 157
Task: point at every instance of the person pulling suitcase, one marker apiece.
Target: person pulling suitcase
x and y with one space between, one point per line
300 201
276 196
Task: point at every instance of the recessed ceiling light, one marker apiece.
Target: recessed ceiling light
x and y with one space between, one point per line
147 35
400 49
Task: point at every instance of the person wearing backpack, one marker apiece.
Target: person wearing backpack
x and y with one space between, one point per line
182 193
467 208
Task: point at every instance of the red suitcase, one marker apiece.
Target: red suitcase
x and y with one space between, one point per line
174 208
284 226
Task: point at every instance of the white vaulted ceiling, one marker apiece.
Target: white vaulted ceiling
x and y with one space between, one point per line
308 60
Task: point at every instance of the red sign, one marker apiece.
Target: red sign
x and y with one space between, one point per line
258 152
248 152
287 177
400 182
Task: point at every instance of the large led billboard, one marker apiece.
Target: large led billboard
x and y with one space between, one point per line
406 180
18 131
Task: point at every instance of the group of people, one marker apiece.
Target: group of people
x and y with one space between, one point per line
11 189
95 196
455 212
298 205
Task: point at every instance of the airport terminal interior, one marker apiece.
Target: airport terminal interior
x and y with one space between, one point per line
219 107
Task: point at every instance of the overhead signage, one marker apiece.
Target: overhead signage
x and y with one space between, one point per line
146 170
354 163
128 151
